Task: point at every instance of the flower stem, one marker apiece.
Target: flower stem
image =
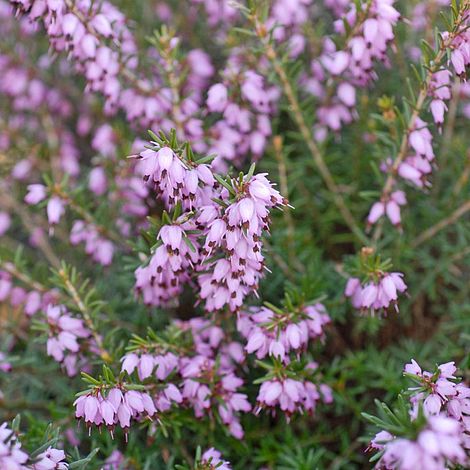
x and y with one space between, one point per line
86 315
404 144
307 135
444 223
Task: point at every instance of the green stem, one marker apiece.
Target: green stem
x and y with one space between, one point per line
307 135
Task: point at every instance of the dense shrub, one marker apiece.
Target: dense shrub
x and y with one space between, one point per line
234 235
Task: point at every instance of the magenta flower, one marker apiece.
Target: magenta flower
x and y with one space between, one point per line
291 396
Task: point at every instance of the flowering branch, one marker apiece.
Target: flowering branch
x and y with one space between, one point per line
299 118
65 276
434 66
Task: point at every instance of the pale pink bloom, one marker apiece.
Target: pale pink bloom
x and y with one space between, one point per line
98 182
36 194
5 222
50 459
55 210
217 97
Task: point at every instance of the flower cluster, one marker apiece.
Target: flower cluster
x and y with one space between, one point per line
439 392
11 454
175 179
99 248
460 57
219 241
114 406
245 124
337 73
375 296
414 163
235 230
84 32
204 381
292 396
277 333
437 435
161 281
436 447
207 385
373 287
13 457
66 335
391 208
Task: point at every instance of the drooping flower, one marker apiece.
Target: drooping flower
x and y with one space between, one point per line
276 334
291 396
116 407
376 296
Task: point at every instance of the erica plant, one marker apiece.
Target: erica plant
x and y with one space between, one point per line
224 228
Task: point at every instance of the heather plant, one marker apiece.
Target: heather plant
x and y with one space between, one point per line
225 227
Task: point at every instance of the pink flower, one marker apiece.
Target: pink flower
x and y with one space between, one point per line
438 391
291 396
50 459
55 210
217 97
213 458
391 208
11 455
65 337
116 408
413 368
458 61
437 446
36 194
438 109
98 182
375 296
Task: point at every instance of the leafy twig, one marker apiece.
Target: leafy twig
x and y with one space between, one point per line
444 223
